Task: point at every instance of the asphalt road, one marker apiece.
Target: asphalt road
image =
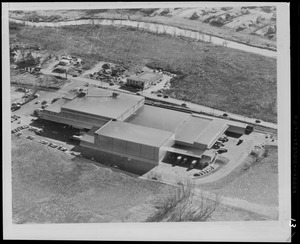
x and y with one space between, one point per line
193 106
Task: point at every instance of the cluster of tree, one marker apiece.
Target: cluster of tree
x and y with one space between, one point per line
25 59
35 17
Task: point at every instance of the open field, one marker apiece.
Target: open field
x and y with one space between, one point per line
256 183
213 76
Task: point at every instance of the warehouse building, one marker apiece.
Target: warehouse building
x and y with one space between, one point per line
136 137
95 108
144 80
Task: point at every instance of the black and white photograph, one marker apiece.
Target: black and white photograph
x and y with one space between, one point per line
127 118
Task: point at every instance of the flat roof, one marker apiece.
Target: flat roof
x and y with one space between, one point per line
56 106
134 133
102 103
214 129
191 129
147 76
186 150
158 118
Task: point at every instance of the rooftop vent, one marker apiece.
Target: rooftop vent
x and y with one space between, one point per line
115 94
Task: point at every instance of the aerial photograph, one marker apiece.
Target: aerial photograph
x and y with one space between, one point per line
144 114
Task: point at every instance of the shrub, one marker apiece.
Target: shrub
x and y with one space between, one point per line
183 204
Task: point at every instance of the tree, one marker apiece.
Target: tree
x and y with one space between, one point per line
185 204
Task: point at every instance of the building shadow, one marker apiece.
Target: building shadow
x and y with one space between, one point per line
56 131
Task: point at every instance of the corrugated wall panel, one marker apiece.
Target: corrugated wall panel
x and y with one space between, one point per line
133 148
147 152
104 142
119 146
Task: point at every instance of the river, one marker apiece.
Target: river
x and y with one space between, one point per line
155 28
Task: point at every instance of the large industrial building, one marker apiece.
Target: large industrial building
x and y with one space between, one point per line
134 136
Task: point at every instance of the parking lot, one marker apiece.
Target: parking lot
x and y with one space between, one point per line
225 163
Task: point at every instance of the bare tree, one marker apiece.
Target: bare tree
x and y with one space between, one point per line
185 204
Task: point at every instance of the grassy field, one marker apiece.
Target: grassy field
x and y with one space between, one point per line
214 76
256 183
50 187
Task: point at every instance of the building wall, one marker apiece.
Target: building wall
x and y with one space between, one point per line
137 83
127 163
84 123
127 148
236 129
164 148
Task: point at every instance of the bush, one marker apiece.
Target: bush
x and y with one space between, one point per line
183 204
148 11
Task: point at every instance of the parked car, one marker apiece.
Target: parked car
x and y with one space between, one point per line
159 95
53 145
54 99
37 102
20 133
239 142
166 96
38 131
216 146
219 143
184 161
183 105
257 121
223 139
193 164
30 137
75 153
222 150
111 84
178 159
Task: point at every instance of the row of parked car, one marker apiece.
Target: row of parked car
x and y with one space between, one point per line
219 144
14 118
19 128
205 171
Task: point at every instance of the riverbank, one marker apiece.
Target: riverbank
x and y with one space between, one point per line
157 27
146 15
